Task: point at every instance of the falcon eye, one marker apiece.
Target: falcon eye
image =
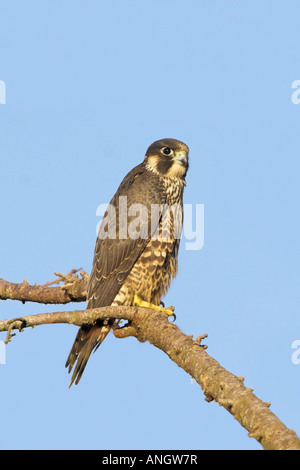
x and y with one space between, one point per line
167 151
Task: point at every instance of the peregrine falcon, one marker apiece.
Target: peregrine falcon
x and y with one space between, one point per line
135 258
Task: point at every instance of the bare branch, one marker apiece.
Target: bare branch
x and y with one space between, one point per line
216 382
75 317
73 290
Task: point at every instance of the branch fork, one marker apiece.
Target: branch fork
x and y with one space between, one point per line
145 324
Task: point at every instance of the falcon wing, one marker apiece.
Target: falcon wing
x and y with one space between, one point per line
114 257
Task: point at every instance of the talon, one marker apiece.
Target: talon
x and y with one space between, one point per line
139 302
162 304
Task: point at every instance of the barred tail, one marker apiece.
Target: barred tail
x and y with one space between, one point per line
88 339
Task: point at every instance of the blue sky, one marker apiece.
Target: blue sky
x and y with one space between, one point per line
89 86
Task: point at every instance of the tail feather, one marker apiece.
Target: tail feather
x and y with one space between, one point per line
88 339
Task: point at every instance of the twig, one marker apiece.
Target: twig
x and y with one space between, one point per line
61 277
216 382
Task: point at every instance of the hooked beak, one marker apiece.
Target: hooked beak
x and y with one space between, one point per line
181 157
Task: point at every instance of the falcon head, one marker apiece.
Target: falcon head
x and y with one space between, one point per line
168 158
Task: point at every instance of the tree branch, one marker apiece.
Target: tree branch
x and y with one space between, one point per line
216 382
73 290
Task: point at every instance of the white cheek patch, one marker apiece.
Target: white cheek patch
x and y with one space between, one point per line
176 170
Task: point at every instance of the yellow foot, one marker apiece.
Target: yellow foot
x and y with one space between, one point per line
142 303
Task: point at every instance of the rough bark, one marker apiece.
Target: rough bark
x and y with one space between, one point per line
73 290
216 382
